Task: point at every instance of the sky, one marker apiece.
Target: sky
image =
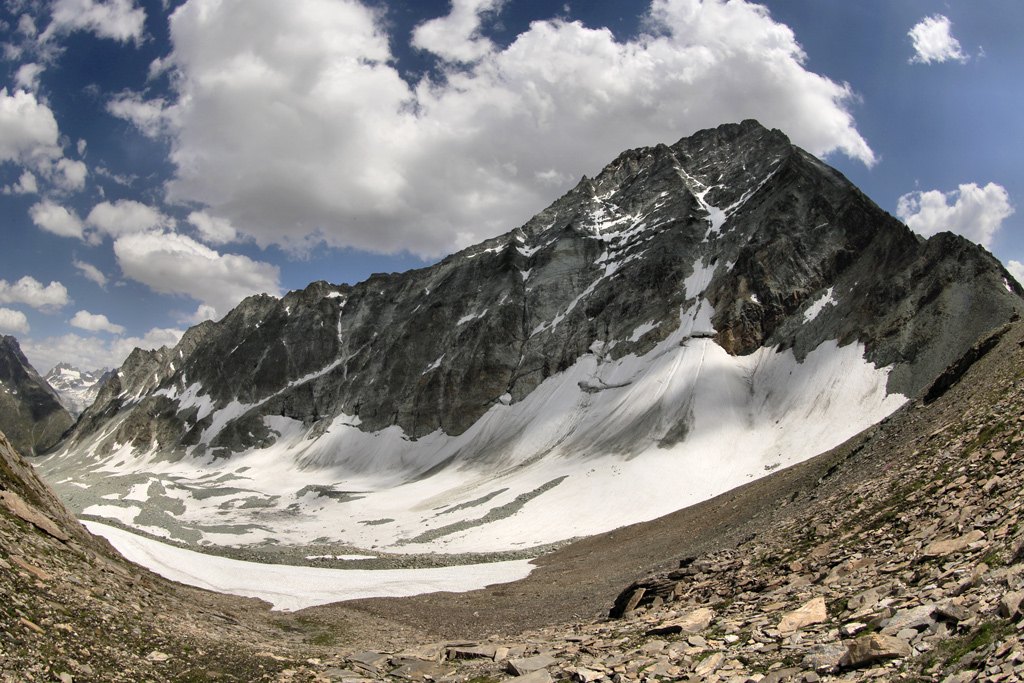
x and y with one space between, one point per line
160 160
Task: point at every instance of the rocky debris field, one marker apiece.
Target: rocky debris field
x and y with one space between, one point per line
898 556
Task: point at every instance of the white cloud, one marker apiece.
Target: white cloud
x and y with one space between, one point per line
116 19
56 219
27 76
290 121
456 37
93 353
976 213
213 230
170 263
13 322
1016 269
91 272
26 185
147 115
70 175
30 291
934 41
28 129
95 322
125 217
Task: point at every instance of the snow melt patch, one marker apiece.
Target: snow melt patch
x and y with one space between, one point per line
293 588
818 306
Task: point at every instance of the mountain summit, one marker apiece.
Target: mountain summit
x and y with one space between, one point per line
691 318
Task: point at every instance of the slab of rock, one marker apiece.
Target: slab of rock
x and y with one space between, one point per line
13 502
371 661
812 612
520 667
690 624
421 671
430 652
539 676
952 545
914 618
1009 604
872 648
825 657
709 665
472 652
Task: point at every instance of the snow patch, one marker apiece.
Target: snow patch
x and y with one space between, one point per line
293 588
818 306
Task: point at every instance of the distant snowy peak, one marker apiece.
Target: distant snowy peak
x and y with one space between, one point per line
77 389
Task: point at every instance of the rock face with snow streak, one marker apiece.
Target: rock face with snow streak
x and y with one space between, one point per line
714 283
31 414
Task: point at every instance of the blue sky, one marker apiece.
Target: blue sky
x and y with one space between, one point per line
160 160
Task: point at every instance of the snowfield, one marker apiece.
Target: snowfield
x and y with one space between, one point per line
294 588
603 444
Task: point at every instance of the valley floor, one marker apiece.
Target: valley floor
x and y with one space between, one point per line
896 556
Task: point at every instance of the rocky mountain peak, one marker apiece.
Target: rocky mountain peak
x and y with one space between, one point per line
30 411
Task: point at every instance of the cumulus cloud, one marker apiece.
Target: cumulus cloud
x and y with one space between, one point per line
54 218
93 353
95 322
26 185
125 217
213 230
456 37
27 76
13 322
28 129
116 19
91 272
976 213
934 42
70 175
30 291
170 263
291 121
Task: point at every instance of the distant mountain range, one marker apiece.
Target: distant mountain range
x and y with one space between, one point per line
77 389
693 317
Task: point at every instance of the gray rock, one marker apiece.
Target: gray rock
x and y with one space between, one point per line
520 667
872 648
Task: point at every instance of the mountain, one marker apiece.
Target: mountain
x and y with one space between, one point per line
692 318
30 412
897 556
77 389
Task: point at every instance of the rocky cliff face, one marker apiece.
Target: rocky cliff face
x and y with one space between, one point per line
783 250
30 412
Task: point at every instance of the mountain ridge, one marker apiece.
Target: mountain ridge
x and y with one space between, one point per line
722 294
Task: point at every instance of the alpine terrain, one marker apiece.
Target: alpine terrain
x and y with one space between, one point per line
689 320
31 414
814 418
77 389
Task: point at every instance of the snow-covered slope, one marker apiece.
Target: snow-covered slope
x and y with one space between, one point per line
77 389
693 317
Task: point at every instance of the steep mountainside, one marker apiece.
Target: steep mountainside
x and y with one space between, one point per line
30 412
702 312
77 389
